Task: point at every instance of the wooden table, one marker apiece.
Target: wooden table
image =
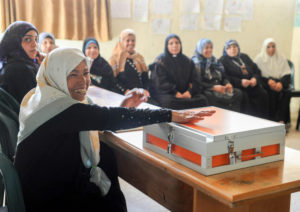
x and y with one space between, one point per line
260 188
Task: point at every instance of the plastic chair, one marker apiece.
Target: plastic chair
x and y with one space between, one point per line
13 196
9 101
9 112
294 93
8 137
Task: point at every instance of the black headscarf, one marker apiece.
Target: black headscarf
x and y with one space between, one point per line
11 42
177 65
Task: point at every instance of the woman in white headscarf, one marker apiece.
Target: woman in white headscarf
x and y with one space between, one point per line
58 153
276 77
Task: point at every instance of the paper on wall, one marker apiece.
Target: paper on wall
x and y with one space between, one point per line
189 22
233 24
140 10
213 7
240 7
190 6
161 26
120 8
297 16
162 6
212 22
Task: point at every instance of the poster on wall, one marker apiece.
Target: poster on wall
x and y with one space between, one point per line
243 8
190 6
140 10
189 22
213 7
212 22
162 7
297 16
161 26
120 8
233 24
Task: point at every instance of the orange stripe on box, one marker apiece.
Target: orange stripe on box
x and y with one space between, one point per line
270 150
176 150
163 144
186 154
220 160
248 154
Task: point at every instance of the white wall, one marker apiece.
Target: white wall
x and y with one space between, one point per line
272 18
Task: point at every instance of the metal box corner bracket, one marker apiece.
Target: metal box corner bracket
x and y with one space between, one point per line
226 141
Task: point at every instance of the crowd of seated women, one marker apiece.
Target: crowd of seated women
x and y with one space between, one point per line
173 80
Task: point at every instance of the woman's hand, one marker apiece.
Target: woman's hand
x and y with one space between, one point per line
134 98
228 88
272 84
186 95
219 89
189 115
146 93
278 87
253 82
245 83
178 95
40 57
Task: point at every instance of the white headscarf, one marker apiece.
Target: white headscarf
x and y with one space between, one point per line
275 66
50 97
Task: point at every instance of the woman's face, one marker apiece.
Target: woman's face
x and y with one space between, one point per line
207 51
29 43
79 81
174 46
47 45
92 51
233 50
129 44
271 49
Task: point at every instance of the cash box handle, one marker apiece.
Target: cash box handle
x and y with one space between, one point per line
170 140
251 156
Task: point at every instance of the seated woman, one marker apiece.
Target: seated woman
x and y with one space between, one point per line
18 50
276 78
128 65
244 74
57 157
46 42
174 82
101 72
218 89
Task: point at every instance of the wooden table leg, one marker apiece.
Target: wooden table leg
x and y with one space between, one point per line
271 203
154 182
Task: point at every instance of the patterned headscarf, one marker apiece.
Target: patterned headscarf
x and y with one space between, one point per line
119 55
206 63
228 44
51 97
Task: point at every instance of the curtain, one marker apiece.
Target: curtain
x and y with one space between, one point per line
8 13
66 19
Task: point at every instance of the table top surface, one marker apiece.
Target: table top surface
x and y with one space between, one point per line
232 186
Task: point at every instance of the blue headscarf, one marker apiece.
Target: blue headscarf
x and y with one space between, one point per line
206 63
11 42
228 44
45 35
87 42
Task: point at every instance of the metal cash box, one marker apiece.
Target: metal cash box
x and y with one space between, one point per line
225 141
